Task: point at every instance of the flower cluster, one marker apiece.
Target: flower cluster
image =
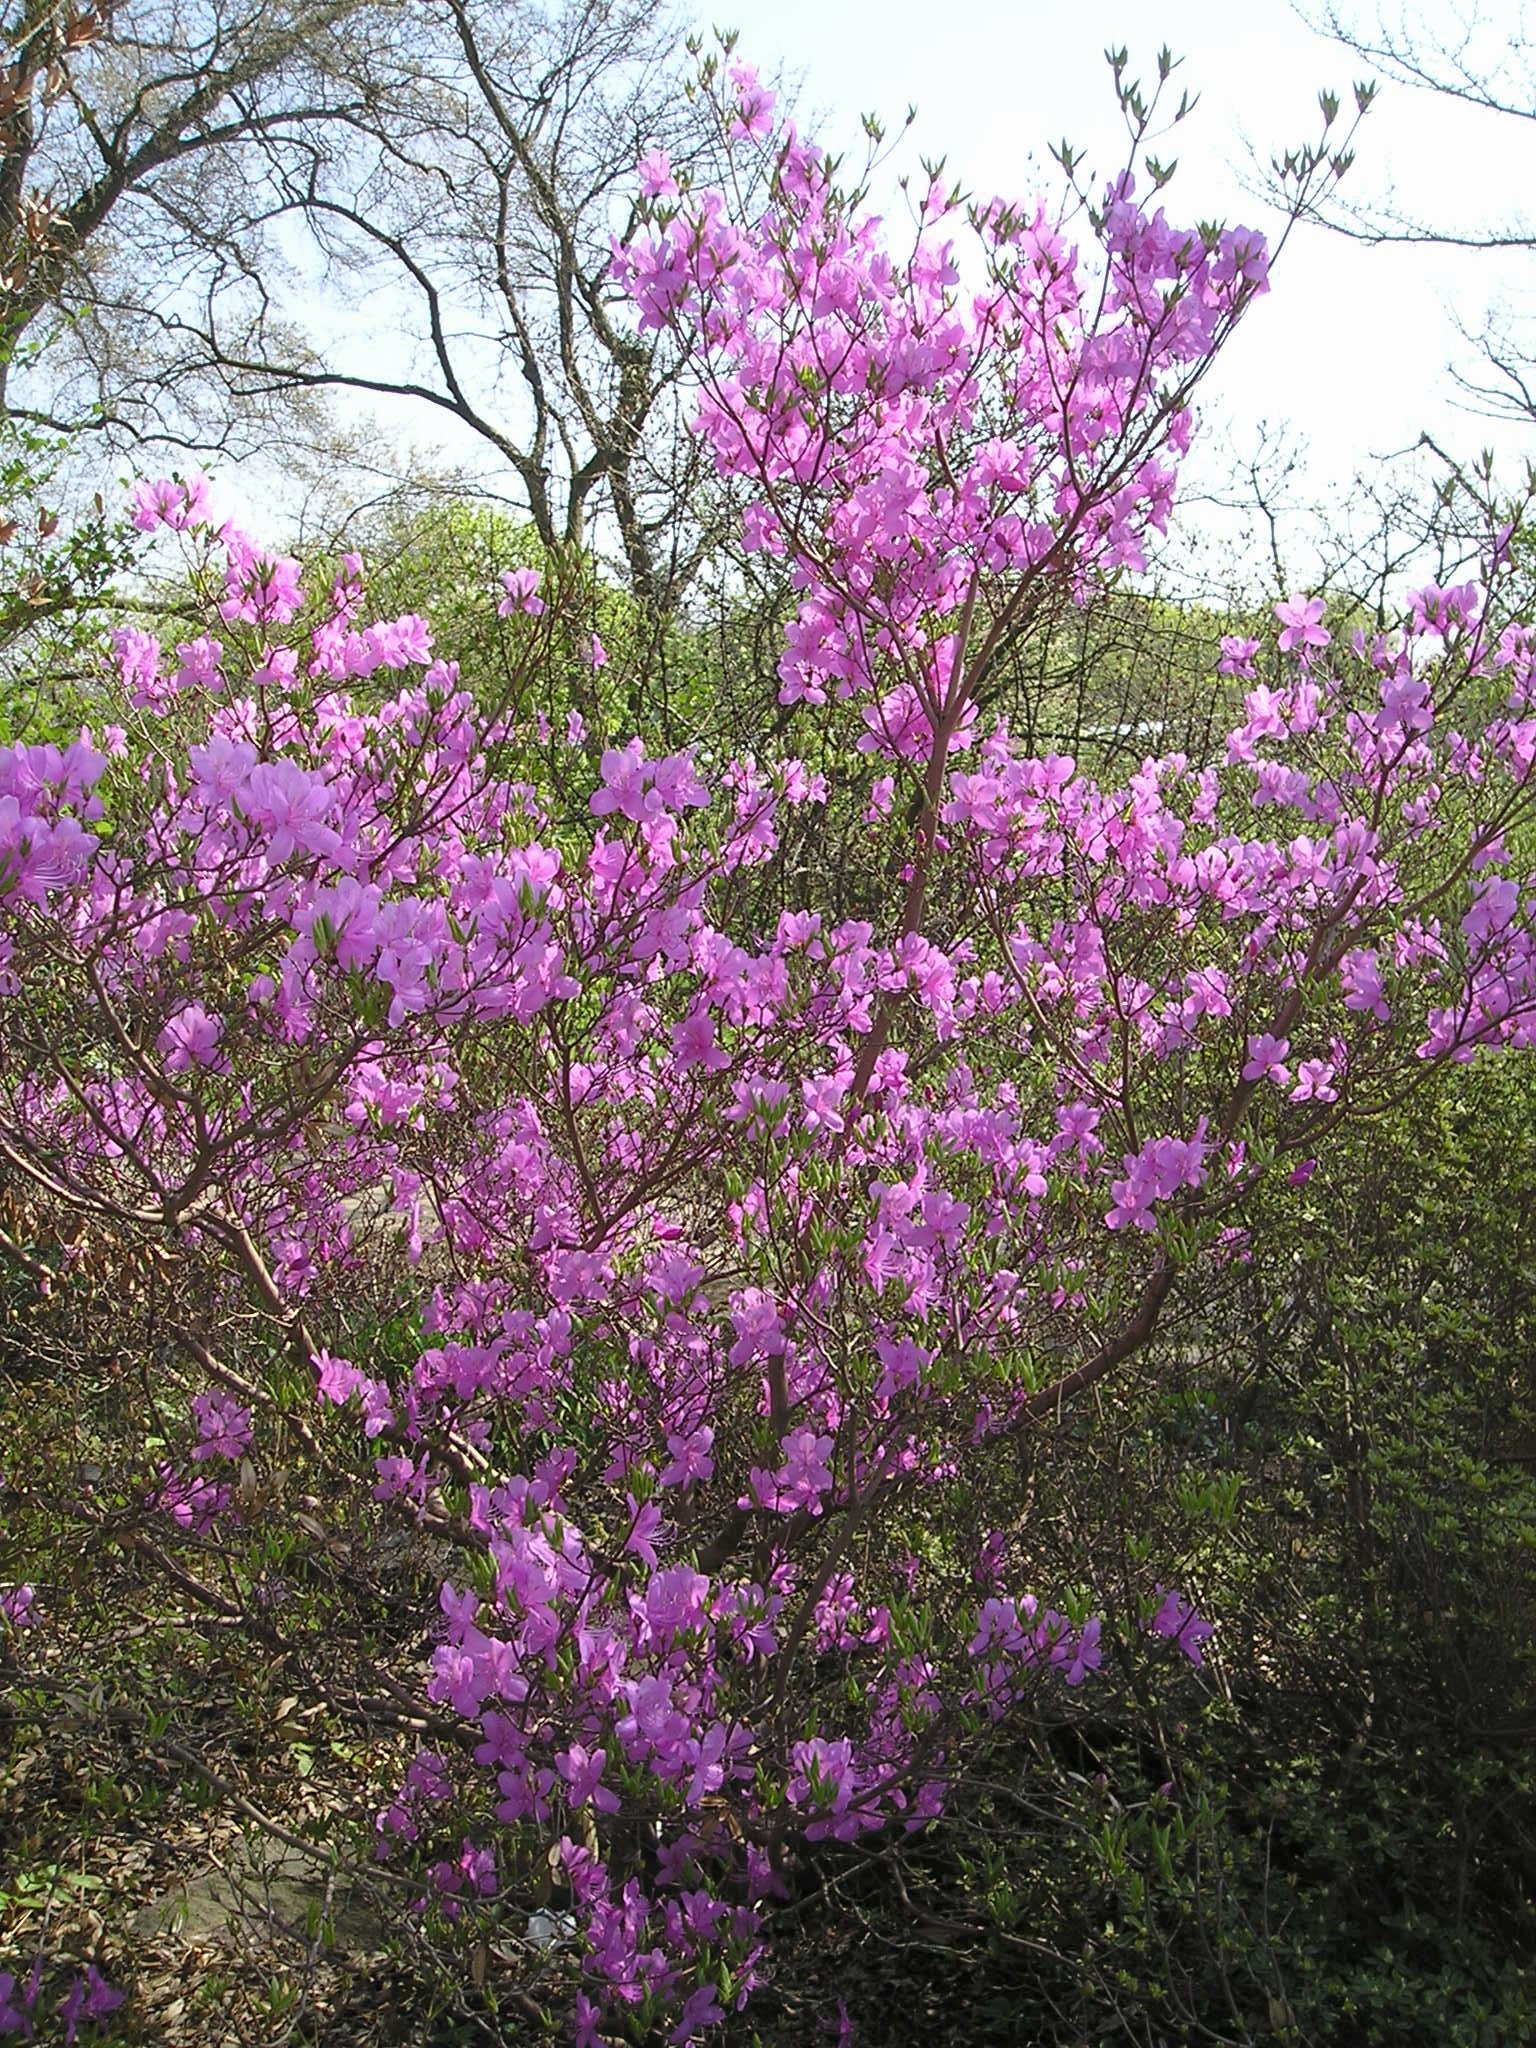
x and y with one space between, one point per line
88 1999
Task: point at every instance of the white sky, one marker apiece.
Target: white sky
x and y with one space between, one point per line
1348 359
1350 352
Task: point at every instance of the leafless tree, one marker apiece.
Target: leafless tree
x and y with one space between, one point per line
221 220
1481 58
125 131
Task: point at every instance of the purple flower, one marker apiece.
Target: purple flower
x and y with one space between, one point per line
806 1473
15 2007
520 588
194 1503
701 2011
89 1997
1314 1082
1266 1059
1237 656
1178 1621
338 1378
655 174
191 1038
674 1600
18 1606
170 501
645 1521
223 1426
689 1458
1302 620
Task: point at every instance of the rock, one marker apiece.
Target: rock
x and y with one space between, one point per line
266 1893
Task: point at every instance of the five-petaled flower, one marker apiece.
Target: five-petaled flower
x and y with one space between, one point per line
1301 620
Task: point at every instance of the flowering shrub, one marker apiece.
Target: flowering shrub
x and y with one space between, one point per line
745 1244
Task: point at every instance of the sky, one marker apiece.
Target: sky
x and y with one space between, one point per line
1348 361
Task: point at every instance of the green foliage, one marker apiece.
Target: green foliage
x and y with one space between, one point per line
57 588
1328 1833
447 561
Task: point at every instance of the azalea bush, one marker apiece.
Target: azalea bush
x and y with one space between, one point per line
1329 1829
693 1270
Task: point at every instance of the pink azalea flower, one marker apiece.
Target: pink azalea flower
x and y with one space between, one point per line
1301 619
